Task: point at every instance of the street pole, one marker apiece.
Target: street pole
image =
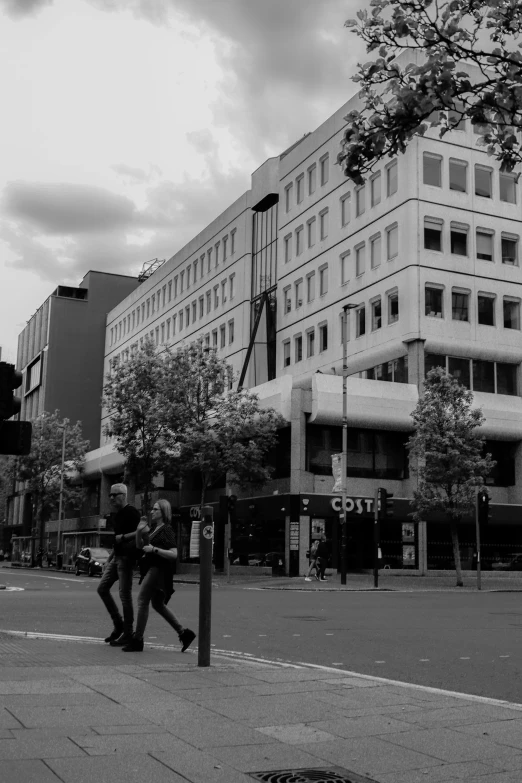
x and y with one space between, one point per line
206 537
60 506
344 458
477 525
376 538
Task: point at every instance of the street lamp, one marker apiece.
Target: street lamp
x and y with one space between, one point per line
344 457
60 506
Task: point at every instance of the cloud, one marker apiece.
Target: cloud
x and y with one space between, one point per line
19 8
135 175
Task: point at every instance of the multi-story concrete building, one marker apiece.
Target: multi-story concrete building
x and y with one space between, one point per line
428 251
60 353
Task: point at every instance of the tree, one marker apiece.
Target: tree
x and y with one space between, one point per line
132 394
213 430
41 469
448 451
434 89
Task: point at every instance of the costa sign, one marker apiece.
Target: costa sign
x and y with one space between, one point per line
357 505
195 512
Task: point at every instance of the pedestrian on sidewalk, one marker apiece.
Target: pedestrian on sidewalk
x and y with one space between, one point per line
158 543
120 566
322 559
313 562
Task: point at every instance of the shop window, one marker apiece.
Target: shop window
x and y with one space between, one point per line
433 302
486 309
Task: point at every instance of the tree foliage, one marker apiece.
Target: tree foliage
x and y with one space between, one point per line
132 394
215 431
41 469
435 89
447 452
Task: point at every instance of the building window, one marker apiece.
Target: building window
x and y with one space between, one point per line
209 260
312 179
323 337
459 368
232 280
459 241
459 306
152 306
360 200
207 340
174 318
376 313
202 267
170 290
233 241
344 261
222 336
298 343
345 209
392 242
375 251
458 175
486 309
483 376
225 243
194 310
323 280
310 287
33 375
188 275
511 313
391 178
209 301
201 306
310 343
456 120
214 338
162 332
360 321
359 260
223 291
168 328
432 170
216 296
181 281
506 378
299 293
433 302
288 197
175 286
148 308
323 224
509 251
375 189
483 182
180 320
299 188
484 245
324 165
508 188
187 316
393 307
310 228
287 300
288 248
164 295
433 234
231 332
286 353
299 241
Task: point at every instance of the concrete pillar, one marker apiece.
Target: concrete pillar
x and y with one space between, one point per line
416 363
304 543
297 441
422 547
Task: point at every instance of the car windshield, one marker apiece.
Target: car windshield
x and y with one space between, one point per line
99 553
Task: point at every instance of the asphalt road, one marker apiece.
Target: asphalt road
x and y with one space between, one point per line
466 642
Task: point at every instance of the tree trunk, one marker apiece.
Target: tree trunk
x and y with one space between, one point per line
456 551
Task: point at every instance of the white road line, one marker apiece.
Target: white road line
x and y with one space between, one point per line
45 576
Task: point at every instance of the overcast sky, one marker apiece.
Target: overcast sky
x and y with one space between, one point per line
128 125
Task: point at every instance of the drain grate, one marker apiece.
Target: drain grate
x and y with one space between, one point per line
331 775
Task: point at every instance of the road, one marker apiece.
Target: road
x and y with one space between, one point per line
466 642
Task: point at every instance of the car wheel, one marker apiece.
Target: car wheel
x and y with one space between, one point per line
91 570
77 570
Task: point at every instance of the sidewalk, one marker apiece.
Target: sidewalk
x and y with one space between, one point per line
81 711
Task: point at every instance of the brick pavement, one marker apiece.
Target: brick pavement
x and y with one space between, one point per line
78 711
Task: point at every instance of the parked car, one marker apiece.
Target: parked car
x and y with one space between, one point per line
513 563
272 559
91 560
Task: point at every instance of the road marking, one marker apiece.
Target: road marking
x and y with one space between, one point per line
504 656
14 572
261 634
424 660
226 636
379 661
329 634
296 634
465 659
13 589
335 663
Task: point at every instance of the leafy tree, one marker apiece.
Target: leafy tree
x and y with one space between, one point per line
434 89
213 430
132 394
448 451
41 469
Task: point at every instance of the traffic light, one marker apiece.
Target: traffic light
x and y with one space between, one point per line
10 379
385 503
484 511
15 437
231 504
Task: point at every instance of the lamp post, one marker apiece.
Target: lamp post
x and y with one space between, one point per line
60 506
344 458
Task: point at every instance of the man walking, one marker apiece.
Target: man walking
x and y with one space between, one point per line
120 566
322 559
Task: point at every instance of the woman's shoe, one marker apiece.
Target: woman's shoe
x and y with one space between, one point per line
186 638
134 645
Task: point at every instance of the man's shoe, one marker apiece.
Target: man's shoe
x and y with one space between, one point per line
135 645
322 579
186 638
117 632
308 578
123 638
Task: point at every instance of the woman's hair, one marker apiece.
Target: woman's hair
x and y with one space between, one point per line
166 511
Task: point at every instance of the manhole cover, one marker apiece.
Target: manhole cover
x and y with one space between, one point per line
331 775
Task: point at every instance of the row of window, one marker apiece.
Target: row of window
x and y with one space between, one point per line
373 196
487 247
458 178
476 374
206 302
308 344
434 306
395 371
307 181
179 283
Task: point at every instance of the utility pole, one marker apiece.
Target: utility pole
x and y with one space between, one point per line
344 458
60 506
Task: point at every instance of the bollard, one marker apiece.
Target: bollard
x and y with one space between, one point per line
206 538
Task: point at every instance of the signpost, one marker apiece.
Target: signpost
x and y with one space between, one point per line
205 584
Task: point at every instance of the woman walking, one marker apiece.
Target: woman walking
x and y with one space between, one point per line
157 571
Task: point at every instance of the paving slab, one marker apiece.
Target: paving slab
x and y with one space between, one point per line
267 757
73 715
127 744
447 745
113 769
28 748
297 734
27 772
446 773
200 767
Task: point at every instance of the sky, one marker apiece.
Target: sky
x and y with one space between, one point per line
128 125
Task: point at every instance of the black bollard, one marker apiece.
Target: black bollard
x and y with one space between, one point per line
206 538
